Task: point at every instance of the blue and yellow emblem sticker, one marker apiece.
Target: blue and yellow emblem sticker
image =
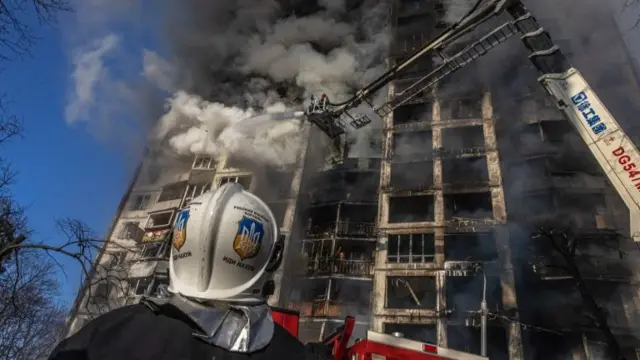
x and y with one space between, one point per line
248 238
180 230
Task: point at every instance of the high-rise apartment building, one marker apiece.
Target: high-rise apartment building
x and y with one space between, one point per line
462 175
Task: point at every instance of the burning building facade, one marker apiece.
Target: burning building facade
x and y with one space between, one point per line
476 182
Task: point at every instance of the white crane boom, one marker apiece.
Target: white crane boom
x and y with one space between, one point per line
615 152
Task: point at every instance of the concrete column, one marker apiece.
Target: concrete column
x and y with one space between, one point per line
507 277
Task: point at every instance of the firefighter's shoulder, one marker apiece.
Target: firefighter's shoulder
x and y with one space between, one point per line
132 332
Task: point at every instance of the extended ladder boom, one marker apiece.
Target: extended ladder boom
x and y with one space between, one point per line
615 152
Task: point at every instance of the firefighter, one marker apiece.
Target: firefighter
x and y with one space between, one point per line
225 247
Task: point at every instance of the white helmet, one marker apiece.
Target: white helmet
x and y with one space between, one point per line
225 244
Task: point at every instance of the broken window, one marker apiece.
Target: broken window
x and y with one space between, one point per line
360 186
462 137
464 108
351 294
279 210
195 190
411 292
173 191
411 113
138 286
322 219
476 246
314 290
115 259
410 208
418 332
415 248
464 294
467 339
130 230
139 202
557 132
414 144
203 162
159 219
467 170
468 206
415 176
149 251
352 213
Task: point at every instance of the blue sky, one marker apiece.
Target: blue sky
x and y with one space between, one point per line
63 171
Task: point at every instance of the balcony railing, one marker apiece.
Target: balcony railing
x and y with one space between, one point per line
343 228
324 308
326 266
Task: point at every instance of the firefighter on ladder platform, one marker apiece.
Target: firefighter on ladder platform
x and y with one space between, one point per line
225 248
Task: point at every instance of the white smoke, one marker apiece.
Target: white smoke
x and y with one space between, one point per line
195 126
225 62
89 71
318 53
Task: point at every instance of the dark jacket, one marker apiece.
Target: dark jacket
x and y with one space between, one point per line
135 332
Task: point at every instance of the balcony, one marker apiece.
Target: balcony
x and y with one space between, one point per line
328 266
343 228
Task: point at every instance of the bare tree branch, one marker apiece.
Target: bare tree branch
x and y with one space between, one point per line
16 36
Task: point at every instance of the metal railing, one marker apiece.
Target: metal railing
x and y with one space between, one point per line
324 308
326 266
343 228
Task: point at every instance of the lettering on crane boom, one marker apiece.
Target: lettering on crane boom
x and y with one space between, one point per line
628 166
581 101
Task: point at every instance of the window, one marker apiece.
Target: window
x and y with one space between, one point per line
195 190
411 248
245 181
116 258
172 192
130 230
139 202
149 251
160 219
411 292
204 162
139 285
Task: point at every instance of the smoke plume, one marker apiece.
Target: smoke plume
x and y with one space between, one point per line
228 61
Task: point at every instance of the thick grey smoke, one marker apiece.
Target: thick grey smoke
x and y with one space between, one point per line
241 57
232 60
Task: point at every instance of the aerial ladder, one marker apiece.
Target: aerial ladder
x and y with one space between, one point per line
614 151
612 148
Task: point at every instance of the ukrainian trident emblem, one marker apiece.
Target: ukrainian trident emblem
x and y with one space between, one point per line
248 238
180 230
